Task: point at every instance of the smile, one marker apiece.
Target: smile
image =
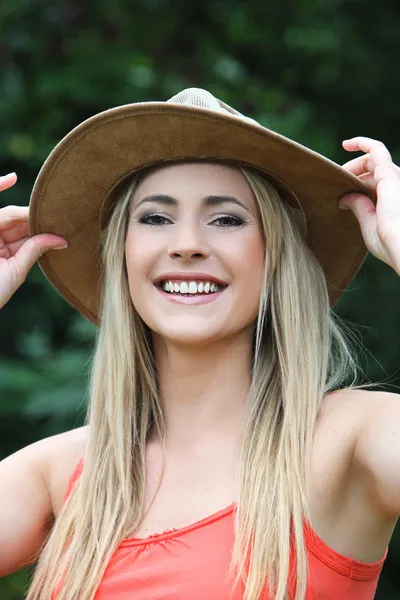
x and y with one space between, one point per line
190 287
190 292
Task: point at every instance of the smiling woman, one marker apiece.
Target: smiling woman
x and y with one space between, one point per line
217 460
192 237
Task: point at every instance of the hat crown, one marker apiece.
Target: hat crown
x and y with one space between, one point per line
196 97
203 99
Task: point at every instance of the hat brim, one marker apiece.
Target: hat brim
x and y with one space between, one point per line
73 187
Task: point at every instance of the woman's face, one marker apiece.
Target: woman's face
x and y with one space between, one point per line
194 226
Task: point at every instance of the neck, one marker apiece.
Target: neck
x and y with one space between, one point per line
203 389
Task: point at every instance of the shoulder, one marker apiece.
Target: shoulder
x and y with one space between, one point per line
60 455
356 475
374 417
359 408
343 416
358 431
377 452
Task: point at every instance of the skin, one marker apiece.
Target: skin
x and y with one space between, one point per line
204 374
203 352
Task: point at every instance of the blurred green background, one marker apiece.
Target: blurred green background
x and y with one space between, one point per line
317 71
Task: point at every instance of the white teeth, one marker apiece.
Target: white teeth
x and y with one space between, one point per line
190 287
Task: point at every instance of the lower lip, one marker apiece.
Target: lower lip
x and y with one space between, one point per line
195 299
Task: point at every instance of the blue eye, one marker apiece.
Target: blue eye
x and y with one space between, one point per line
153 219
228 221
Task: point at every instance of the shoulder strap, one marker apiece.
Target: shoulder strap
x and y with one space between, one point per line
73 480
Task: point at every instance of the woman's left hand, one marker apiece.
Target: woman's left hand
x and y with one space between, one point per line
380 223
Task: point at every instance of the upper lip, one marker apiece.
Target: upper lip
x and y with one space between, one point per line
188 277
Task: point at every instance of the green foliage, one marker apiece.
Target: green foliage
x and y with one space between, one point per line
316 70
15 586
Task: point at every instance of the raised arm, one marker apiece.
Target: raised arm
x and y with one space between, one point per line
26 513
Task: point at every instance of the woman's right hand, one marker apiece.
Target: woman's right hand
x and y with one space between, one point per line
18 251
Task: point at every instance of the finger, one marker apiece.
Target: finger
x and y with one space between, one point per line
33 248
7 181
365 213
45 241
367 145
377 151
360 204
8 250
15 233
357 166
369 180
13 215
378 160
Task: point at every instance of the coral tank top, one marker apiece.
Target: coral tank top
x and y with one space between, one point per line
191 563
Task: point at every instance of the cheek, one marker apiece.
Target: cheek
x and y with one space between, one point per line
248 268
256 251
255 277
138 260
249 257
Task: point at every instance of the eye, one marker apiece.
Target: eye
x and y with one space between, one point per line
228 221
154 220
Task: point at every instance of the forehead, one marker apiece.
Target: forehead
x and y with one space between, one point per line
196 180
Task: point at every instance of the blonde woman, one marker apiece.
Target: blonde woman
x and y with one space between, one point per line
222 455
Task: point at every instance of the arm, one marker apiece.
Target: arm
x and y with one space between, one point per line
26 514
33 483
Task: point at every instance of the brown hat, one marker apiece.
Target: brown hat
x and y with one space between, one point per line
76 186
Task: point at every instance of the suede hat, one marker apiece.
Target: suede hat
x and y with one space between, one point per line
79 182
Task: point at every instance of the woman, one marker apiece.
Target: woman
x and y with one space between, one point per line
217 426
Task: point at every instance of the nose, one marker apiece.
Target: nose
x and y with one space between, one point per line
188 242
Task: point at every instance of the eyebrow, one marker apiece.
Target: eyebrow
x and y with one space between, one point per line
206 201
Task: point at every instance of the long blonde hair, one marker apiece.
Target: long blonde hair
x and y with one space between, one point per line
302 351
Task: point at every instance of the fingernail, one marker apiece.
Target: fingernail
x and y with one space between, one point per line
61 247
344 206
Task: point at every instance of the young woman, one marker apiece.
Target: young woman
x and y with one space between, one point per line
222 456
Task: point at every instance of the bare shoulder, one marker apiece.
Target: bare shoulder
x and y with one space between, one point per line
355 401
377 453
359 418
356 471
33 481
342 417
61 453
342 420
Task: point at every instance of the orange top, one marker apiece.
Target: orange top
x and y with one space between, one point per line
191 563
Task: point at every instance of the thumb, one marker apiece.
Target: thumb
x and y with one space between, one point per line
35 247
360 204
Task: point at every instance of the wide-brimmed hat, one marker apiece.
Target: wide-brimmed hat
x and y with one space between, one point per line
76 187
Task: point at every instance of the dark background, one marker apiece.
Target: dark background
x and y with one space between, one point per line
317 71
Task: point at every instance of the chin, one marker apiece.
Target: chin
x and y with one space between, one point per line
188 336
191 338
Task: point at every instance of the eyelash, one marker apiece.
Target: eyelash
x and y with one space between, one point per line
145 220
